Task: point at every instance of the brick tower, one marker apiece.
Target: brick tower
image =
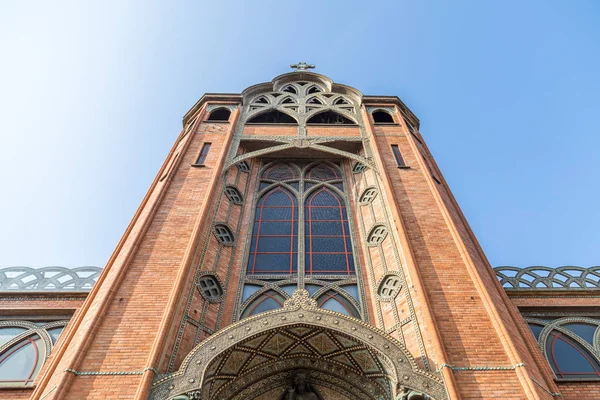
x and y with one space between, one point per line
299 242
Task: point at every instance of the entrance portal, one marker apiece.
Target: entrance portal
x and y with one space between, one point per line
300 352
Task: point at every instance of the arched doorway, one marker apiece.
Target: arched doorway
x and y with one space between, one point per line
300 352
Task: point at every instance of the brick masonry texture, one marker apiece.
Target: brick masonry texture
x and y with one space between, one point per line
146 311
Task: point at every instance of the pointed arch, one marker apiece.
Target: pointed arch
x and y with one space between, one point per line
330 117
298 318
272 116
328 247
269 300
279 172
334 301
274 244
323 172
314 100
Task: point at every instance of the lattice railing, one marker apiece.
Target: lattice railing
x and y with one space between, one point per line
544 278
48 279
83 278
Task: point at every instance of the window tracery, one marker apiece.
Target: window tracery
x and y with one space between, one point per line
234 195
300 236
302 102
571 345
24 347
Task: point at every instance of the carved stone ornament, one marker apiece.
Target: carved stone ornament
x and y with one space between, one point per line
197 373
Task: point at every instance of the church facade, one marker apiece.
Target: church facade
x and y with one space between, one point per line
299 242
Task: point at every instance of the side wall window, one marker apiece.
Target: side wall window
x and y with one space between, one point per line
569 346
203 154
24 347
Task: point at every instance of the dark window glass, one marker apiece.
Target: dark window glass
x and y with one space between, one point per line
280 172
536 329
222 114
266 302
586 331
327 245
290 89
203 154
273 117
333 301
274 245
323 172
398 155
339 101
329 118
358 167
209 287
243 166
224 234
569 359
382 117
233 195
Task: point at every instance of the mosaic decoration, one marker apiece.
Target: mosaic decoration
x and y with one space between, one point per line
80 279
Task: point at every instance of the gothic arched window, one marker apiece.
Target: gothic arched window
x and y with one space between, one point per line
274 245
334 301
267 301
300 238
220 114
272 117
569 346
383 117
569 359
26 346
327 244
329 118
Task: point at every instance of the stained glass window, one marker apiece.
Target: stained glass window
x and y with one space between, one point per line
294 195
274 245
569 359
26 350
327 245
268 301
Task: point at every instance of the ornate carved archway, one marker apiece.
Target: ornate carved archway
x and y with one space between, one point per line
259 356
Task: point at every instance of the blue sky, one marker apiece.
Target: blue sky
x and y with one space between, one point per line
92 95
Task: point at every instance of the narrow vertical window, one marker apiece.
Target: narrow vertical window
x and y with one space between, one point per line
274 246
203 154
327 235
398 155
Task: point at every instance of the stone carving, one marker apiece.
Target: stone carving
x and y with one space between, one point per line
301 389
302 66
300 313
300 299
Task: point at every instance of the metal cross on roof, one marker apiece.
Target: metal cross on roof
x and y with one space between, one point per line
302 66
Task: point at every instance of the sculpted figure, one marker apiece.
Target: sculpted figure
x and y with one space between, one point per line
301 388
